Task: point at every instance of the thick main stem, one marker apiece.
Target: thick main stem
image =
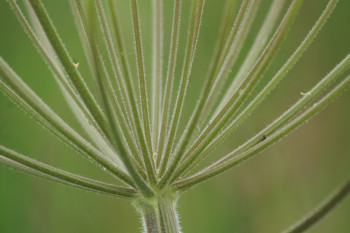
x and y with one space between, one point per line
159 214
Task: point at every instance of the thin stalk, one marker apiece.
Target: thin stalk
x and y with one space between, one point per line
175 33
82 21
229 53
122 51
76 5
232 159
95 133
69 92
68 64
157 60
196 16
220 120
116 108
131 109
124 155
226 21
254 51
321 210
143 93
225 26
33 167
122 90
125 67
127 78
273 83
107 99
204 98
20 93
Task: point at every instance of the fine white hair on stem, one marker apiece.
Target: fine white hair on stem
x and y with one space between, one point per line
141 133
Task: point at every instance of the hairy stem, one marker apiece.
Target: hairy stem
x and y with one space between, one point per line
22 163
143 91
159 214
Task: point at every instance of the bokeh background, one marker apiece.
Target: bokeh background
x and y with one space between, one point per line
264 195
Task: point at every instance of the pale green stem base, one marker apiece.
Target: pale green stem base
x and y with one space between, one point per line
159 214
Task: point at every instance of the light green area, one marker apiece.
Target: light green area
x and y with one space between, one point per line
266 194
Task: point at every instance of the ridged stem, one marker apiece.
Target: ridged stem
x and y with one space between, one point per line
159 214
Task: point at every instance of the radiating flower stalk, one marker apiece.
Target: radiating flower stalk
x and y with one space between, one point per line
136 137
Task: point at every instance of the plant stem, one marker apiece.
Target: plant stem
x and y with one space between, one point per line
175 33
196 16
157 68
231 107
274 81
23 163
321 210
68 64
20 93
230 160
159 214
143 92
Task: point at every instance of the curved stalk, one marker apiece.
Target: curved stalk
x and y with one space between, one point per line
33 167
237 98
68 64
74 100
19 92
321 210
274 82
232 159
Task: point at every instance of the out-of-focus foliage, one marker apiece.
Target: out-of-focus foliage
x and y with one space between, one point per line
266 194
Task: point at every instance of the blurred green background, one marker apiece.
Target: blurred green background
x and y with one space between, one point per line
265 194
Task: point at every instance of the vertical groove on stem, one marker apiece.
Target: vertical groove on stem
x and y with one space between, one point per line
159 214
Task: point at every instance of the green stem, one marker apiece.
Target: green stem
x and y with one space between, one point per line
20 93
236 38
271 85
230 108
143 92
159 214
157 58
68 64
118 79
231 160
320 211
118 143
198 112
175 33
131 98
75 102
23 163
196 16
